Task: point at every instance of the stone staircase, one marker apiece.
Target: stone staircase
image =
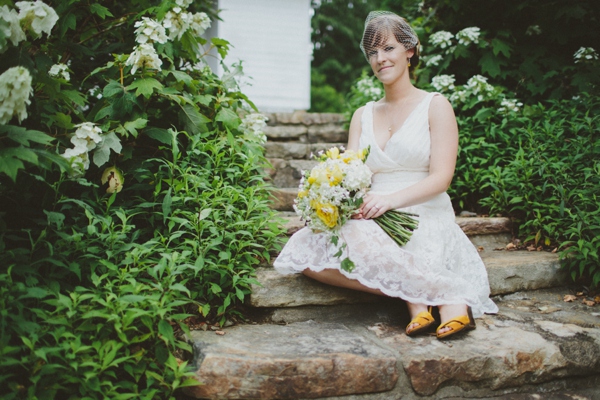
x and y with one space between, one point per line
306 340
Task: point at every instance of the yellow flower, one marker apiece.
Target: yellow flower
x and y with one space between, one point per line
302 193
318 175
333 153
350 155
328 213
335 175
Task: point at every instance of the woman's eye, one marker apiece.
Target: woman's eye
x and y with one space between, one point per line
372 53
389 48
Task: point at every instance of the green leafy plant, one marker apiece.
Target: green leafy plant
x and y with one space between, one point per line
133 199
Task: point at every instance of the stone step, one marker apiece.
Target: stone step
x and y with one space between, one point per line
536 344
486 233
508 272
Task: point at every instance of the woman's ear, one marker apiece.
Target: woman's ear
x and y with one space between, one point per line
410 52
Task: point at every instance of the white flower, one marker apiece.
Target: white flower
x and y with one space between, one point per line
85 139
15 89
478 85
60 71
183 3
434 61
443 83
510 105
369 88
533 30
37 16
177 22
441 39
150 31
144 55
10 28
468 35
199 23
458 96
585 54
253 126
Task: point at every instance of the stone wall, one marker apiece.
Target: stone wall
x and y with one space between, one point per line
293 137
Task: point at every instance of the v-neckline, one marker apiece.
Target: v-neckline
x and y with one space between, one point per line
399 128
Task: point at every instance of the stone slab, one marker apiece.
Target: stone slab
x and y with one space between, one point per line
304 360
513 271
327 133
295 132
277 290
283 198
508 272
286 150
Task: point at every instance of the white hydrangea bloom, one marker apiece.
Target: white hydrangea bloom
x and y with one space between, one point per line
199 23
15 89
441 39
37 16
468 35
144 55
357 176
533 30
80 162
458 96
478 86
184 3
253 126
510 105
10 27
369 88
585 54
434 60
443 83
85 139
60 71
89 133
177 22
150 31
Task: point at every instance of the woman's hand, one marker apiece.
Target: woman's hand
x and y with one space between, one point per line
375 205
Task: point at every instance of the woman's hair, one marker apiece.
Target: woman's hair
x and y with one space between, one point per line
379 25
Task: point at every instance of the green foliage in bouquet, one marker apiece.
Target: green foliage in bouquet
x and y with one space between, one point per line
132 196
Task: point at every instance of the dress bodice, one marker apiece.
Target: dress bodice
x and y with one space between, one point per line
405 157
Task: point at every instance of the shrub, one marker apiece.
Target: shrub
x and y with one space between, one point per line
132 196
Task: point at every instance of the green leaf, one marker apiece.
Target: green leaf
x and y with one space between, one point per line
490 65
112 89
348 265
192 119
162 135
166 331
166 205
102 151
100 10
145 86
229 118
133 126
181 76
23 136
499 46
75 96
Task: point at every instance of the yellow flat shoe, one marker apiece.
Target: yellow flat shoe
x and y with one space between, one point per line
424 320
463 324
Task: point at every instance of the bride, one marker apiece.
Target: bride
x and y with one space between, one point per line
413 137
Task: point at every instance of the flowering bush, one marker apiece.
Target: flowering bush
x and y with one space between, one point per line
132 196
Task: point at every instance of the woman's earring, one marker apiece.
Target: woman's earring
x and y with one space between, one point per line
408 61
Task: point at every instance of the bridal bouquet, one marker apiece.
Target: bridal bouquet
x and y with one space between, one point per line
333 191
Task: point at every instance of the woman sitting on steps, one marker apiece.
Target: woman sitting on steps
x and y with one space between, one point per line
413 139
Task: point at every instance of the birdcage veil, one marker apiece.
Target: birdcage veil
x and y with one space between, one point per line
379 25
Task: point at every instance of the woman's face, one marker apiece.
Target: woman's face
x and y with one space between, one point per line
389 60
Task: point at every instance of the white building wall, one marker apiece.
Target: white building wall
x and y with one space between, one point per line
272 39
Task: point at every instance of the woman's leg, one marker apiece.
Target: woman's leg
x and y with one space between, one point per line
450 311
335 278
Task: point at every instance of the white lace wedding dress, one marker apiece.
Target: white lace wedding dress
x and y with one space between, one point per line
439 265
